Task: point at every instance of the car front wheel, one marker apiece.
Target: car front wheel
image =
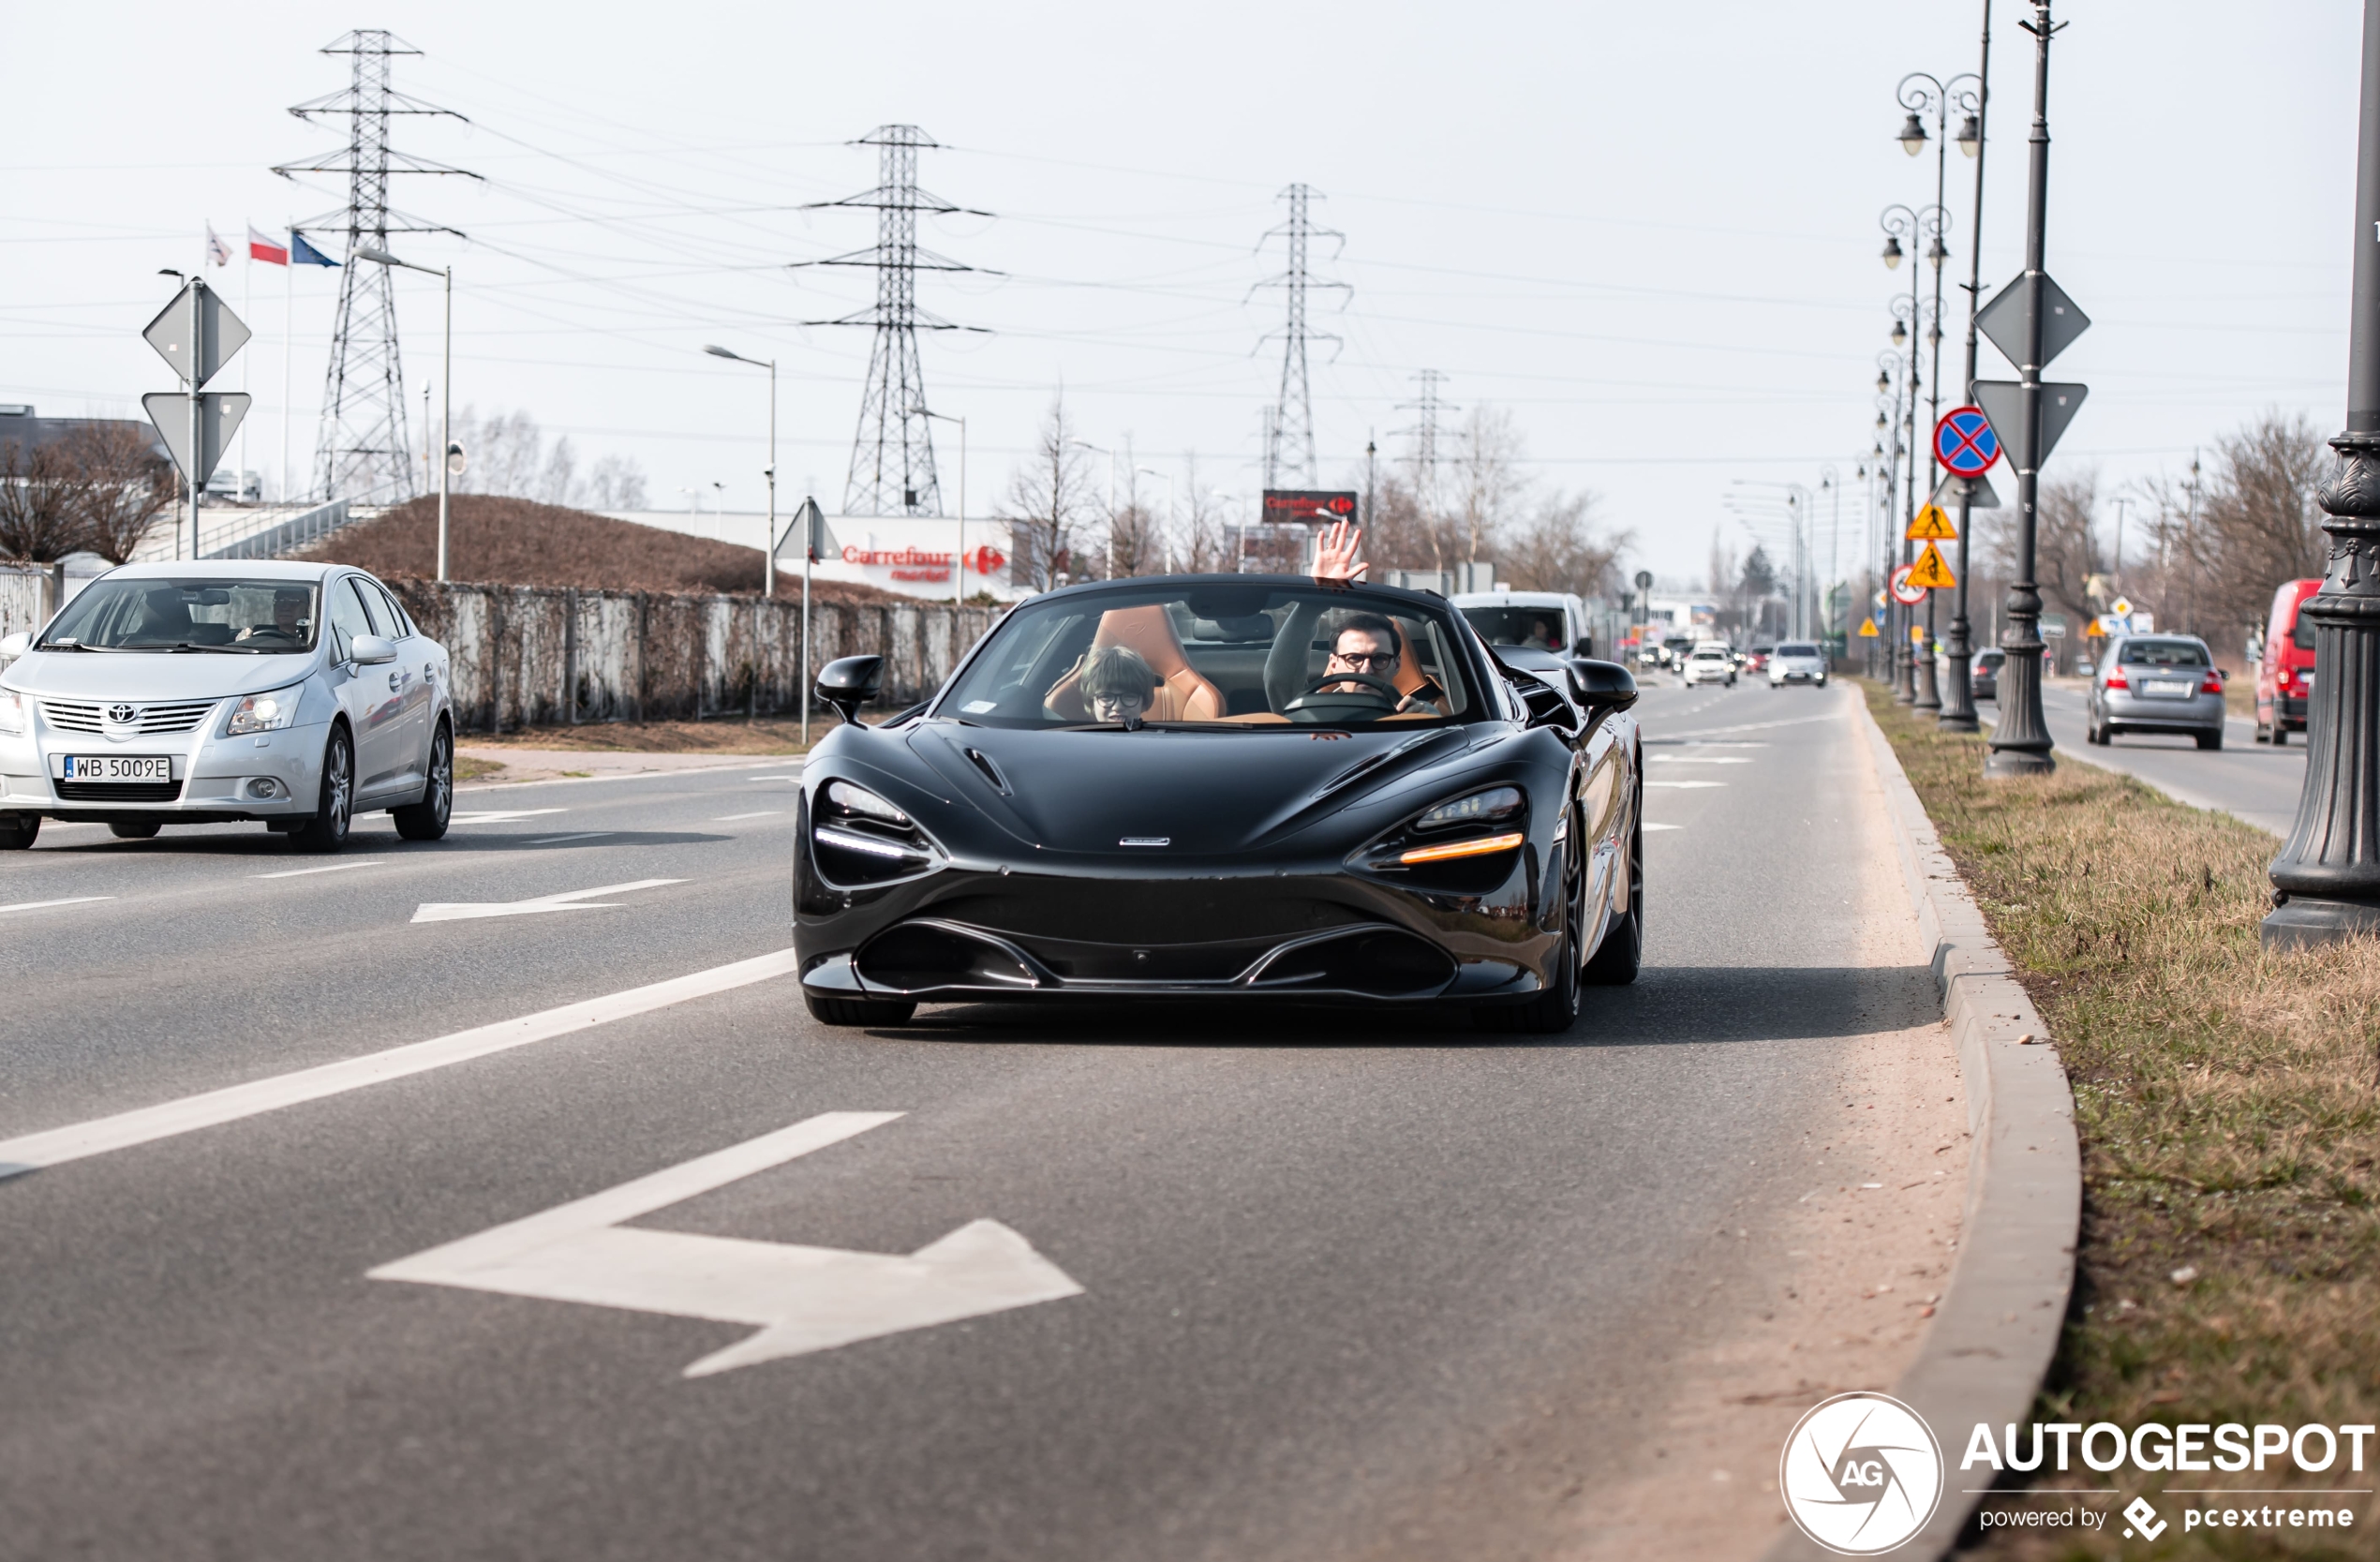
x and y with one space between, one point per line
335 811
428 819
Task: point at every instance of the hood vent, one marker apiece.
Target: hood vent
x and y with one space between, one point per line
982 761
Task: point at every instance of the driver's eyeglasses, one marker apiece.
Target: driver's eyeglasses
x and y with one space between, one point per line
1367 659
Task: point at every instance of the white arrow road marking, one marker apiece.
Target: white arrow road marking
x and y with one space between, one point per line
802 1298
57 1146
70 901
333 868
498 816
577 899
1685 786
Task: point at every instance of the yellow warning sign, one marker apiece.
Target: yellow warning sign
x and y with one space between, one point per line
1868 629
1917 634
1931 525
1931 572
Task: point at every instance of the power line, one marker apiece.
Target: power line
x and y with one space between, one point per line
362 450
892 456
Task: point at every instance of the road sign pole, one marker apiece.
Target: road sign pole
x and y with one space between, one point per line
198 356
2020 743
2327 879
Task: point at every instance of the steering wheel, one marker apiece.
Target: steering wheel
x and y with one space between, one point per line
1316 705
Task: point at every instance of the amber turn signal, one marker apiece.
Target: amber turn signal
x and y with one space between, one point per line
1479 848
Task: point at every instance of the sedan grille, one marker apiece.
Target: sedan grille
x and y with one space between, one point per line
73 717
118 791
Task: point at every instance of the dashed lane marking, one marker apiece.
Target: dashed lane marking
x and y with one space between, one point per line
577 899
498 816
78 1140
1653 826
763 813
1685 786
583 834
69 900
327 867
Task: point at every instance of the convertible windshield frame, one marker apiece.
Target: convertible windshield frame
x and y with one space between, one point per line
1210 644
170 614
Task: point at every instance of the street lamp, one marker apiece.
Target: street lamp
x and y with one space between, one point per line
959 556
1928 223
1102 450
1146 471
769 554
446 388
2327 879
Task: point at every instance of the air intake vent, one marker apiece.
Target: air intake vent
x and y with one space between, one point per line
991 772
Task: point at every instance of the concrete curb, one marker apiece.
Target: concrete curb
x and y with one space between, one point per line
1997 1323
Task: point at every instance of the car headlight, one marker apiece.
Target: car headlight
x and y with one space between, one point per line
1477 808
267 712
11 710
858 838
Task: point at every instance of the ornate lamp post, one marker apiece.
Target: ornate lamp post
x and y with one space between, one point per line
1924 229
2327 879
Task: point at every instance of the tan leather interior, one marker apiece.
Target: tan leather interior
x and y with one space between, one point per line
1182 694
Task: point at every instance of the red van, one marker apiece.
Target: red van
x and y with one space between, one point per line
2284 679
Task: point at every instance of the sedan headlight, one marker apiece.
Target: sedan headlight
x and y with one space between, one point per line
858 838
267 712
1477 808
11 710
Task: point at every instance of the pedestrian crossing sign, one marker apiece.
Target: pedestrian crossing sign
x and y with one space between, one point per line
1932 525
1868 630
1931 572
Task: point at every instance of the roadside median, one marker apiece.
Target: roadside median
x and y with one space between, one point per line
2226 1103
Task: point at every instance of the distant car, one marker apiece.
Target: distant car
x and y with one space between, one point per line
1797 662
1983 673
1710 664
1758 660
292 695
2285 674
1543 620
2157 683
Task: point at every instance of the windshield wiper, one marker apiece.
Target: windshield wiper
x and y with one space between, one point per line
180 646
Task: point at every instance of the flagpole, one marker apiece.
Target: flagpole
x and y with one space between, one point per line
248 308
288 291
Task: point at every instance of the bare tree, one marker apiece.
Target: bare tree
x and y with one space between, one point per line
1560 548
1048 500
121 485
2258 524
509 455
2067 562
615 483
1204 542
1489 484
40 514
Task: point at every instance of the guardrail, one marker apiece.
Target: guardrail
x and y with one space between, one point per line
536 655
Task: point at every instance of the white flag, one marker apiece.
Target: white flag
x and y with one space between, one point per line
216 250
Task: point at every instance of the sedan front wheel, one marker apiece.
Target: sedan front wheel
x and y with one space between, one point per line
327 831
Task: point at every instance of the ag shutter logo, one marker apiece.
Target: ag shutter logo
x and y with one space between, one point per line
1861 1474
2143 1518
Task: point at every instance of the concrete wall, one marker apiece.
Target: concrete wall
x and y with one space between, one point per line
545 656
22 595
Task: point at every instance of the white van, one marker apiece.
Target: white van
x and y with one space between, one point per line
1548 620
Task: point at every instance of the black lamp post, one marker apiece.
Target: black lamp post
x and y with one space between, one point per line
2327 879
1890 368
1922 96
1924 229
2020 743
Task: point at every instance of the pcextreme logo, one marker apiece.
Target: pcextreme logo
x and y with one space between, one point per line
1861 1474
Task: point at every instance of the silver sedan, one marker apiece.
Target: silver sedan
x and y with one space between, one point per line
296 695
2164 683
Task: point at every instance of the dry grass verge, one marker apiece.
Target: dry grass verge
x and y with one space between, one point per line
2228 1106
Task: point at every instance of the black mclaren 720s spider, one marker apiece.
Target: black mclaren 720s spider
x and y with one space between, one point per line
1268 787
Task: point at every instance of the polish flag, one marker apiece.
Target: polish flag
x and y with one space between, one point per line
265 249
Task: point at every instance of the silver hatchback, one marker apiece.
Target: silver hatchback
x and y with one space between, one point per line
2164 683
296 695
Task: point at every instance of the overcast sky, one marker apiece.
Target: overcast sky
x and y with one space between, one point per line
1650 231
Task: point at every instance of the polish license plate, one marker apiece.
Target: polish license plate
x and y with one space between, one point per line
2170 688
114 767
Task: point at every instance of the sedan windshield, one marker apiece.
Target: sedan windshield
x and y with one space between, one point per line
231 616
1797 651
1218 654
2164 653
1517 626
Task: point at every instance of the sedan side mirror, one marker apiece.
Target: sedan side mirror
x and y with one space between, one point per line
14 645
1584 645
850 683
1607 685
370 650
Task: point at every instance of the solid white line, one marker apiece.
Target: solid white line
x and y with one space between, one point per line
498 816
1686 786
763 813
583 834
1652 826
625 776
332 868
57 1146
70 901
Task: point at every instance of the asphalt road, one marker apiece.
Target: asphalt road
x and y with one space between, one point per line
1331 1269
2249 780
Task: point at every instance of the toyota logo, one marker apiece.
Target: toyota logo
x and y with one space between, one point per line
123 715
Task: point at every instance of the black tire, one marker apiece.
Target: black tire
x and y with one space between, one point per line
428 819
2210 739
860 1011
1621 955
17 830
335 812
144 829
1555 1008
2263 735
2280 736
